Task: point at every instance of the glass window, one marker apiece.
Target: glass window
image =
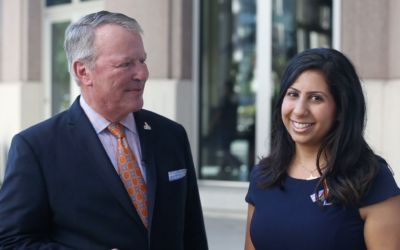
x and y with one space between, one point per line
227 96
60 78
227 89
298 25
56 2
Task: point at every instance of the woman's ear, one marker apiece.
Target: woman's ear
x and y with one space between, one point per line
82 72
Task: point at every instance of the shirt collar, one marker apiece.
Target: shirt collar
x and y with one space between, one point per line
100 123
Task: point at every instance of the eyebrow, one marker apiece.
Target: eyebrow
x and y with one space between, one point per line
130 58
310 92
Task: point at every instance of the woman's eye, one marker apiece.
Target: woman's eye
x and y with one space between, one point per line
292 94
316 98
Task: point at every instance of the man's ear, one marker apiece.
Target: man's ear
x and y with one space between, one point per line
82 72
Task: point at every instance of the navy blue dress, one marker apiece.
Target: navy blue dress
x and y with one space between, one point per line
290 220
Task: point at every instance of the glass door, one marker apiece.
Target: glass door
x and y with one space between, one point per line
239 37
227 89
60 90
298 25
60 78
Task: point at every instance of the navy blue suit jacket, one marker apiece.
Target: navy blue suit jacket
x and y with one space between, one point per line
61 190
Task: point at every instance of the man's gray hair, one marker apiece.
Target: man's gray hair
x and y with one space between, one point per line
79 37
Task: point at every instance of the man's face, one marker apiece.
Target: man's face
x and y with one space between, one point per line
117 82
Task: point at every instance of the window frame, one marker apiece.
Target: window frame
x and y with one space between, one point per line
53 14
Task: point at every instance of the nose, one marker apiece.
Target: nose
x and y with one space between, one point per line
141 73
301 108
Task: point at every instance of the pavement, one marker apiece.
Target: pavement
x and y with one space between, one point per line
224 233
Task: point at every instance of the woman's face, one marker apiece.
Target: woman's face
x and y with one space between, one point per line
309 109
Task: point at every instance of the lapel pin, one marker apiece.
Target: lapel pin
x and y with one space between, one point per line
146 126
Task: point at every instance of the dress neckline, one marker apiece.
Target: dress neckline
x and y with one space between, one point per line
297 179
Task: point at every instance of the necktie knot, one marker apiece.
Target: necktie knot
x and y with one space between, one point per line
117 129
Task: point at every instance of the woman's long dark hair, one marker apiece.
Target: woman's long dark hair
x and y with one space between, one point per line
351 164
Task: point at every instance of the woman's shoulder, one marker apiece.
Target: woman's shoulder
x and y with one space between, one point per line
383 185
259 173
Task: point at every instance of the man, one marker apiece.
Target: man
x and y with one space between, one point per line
105 173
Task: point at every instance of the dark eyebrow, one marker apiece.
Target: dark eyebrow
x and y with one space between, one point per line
310 92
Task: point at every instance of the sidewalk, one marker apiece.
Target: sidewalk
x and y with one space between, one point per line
224 233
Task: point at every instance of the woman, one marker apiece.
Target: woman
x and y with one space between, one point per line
322 187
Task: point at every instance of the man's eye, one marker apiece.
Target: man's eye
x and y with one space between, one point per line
125 64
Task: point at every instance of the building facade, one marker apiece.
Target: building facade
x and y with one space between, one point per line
215 67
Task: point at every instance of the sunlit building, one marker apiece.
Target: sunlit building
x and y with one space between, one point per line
215 67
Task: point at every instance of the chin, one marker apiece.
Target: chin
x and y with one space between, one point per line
301 140
136 107
132 105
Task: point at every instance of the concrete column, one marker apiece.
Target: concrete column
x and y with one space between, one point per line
21 40
167 26
365 36
394 39
370 38
21 101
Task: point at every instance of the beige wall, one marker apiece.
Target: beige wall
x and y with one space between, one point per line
394 39
11 22
382 132
21 93
167 26
370 37
365 36
33 41
21 40
172 99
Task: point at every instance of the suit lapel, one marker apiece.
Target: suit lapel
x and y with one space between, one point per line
84 134
146 136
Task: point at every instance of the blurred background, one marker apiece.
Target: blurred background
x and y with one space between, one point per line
215 67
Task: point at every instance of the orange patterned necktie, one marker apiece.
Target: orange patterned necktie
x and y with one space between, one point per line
130 173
